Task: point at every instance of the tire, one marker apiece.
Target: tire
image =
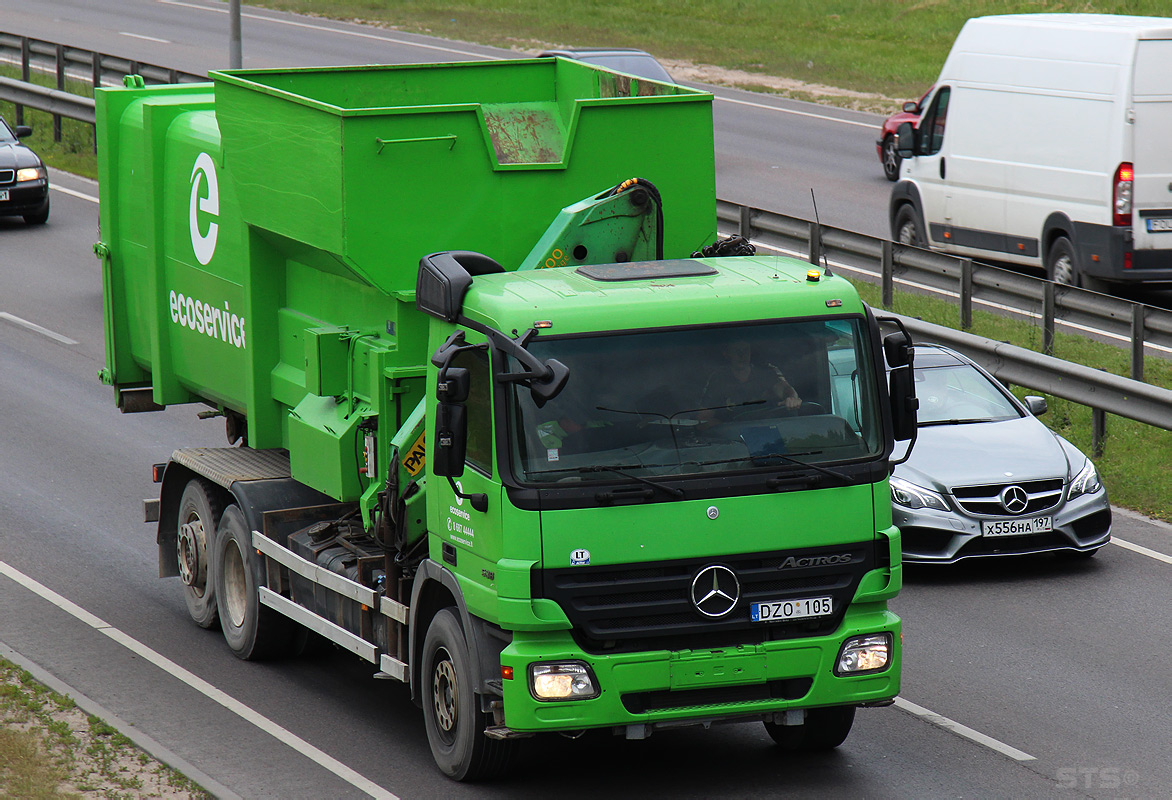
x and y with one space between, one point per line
451 712
253 632
824 729
1061 266
907 227
200 508
891 159
40 216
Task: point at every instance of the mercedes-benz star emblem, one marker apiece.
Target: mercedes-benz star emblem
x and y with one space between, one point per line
715 591
1014 499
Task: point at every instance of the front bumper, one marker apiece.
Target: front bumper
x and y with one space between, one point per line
24 198
644 690
945 537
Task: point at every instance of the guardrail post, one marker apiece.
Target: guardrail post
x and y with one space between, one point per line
746 224
61 87
815 243
1098 431
1138 322
25 53
1048 318
96 75
887 273
966 294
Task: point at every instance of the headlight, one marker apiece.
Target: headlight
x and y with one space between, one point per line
570 680
30 174
1085 482
909 495
869 653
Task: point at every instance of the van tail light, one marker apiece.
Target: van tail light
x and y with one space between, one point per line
1121 196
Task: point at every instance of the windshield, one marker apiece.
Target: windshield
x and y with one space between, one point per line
6 134
958 394
700 400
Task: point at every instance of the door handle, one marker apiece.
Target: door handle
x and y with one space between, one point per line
942 170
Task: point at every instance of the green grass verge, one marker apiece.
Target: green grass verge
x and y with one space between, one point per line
75 152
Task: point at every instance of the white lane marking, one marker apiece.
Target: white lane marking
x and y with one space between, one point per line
976 301
797 113
962 730
35 328
1143 551
200 685
147 38
323 29
73 192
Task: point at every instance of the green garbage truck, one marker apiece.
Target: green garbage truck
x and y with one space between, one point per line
502 417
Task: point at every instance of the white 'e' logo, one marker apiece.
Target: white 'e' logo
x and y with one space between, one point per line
204 246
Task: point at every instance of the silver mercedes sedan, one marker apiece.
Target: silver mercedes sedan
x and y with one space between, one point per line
986 477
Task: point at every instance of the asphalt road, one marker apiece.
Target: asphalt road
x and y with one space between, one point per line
1039 678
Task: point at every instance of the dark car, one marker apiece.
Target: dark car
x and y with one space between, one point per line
24 181
639 63
885 144
986 477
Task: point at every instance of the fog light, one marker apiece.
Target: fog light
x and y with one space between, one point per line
868 653
569 680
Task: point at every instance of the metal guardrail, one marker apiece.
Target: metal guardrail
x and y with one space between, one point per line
69 63
1140 326
972 283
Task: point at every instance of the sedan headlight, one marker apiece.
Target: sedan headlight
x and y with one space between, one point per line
909 495
859 654
1085 482
30 174
568 680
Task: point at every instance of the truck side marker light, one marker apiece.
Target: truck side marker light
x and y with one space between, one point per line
506 672
834 304
813 276
543 324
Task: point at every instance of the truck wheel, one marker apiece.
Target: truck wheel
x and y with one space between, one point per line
907 227
891 159
455 724
1061 266
200 508
824 729
253 632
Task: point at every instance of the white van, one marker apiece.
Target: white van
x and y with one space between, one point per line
1047 141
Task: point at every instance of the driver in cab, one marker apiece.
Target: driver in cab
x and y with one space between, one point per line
740 385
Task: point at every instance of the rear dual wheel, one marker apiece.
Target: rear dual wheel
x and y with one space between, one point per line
200 509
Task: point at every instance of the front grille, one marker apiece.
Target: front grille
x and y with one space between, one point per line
1013 545
644 606
788 689
7 175
985 501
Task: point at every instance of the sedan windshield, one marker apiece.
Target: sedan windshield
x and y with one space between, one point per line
957 394
701 400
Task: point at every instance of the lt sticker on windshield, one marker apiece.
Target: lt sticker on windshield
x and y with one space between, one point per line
579 558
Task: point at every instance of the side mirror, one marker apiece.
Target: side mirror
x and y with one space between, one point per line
546 390
451 440
444 279
452 385
897 349
905 140
1036 405
911 107
904 403
23 131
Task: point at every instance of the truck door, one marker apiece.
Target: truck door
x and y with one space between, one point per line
1152 109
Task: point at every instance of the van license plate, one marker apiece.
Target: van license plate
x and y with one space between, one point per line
1017 527
4 196
791 609
1159 224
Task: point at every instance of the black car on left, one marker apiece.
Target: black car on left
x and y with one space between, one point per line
24 181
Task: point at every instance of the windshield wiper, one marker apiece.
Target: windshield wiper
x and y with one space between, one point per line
621 470
796 461
930 423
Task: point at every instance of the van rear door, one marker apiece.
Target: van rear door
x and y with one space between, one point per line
1152 145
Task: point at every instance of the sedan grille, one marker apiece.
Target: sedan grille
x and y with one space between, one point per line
7 175
1009 499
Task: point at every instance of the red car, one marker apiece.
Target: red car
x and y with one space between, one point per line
885 144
